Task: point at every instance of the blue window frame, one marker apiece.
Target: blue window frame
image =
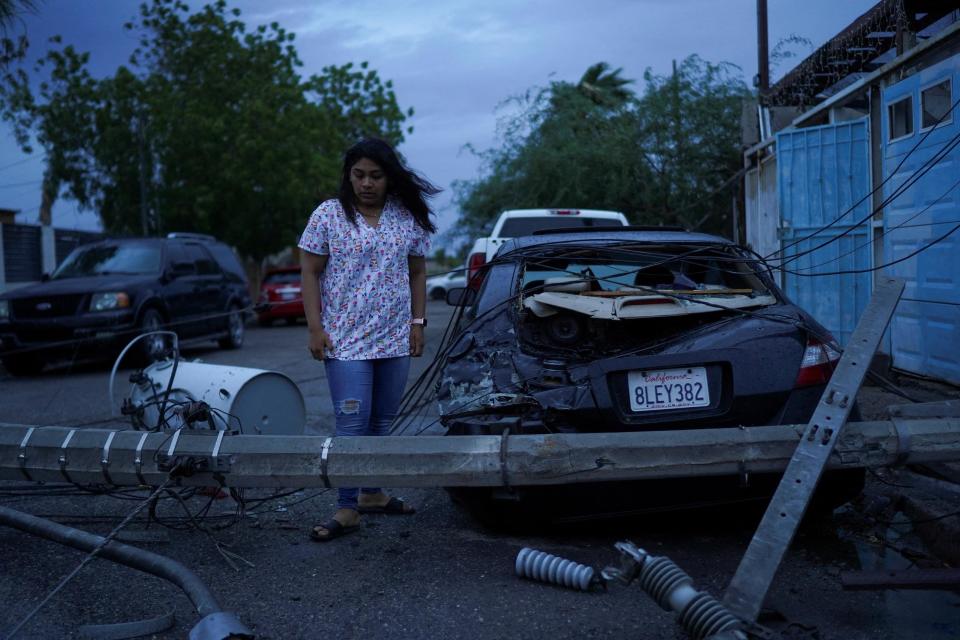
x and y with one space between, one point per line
900 118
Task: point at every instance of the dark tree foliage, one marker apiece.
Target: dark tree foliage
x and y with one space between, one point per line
661 158
13 41
688 134
209 128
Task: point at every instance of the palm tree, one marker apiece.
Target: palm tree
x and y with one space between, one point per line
603 86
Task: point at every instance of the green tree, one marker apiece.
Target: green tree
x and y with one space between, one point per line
59 117
566 145
688 134
210 128
661 158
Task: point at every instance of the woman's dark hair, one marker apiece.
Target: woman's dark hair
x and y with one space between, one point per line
411 188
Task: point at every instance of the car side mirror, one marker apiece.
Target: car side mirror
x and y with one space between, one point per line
461 297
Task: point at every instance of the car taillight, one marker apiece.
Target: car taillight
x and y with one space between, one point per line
565 212
474 263
817 365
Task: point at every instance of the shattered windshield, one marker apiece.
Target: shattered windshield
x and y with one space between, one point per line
583 302
646 269
111 259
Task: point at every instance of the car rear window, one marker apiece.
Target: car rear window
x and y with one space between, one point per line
282 277
110 259
516 227
664 268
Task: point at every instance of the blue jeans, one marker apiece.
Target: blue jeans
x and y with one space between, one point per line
366 395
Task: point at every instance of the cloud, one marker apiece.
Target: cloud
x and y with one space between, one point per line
454 61
404 26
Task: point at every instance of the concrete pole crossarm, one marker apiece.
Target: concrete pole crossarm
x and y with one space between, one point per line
92 456
749 586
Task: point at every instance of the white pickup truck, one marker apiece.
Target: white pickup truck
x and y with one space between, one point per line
523 222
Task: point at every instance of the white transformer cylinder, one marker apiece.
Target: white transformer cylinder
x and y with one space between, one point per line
263 402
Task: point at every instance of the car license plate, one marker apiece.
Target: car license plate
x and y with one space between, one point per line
658 389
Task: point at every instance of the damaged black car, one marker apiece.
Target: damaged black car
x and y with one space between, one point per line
629 330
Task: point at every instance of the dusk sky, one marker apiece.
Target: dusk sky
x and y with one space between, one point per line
454 61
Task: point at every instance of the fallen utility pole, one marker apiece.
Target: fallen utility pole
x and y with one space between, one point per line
97 456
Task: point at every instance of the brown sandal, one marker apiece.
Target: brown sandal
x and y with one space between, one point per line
334 530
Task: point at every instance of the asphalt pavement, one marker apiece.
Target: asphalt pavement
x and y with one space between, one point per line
435 574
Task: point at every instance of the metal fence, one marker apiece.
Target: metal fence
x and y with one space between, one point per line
22 253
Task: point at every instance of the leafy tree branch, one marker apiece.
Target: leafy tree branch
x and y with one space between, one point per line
661 157
210 127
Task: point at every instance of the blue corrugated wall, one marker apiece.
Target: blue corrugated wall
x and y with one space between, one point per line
925 331
822 173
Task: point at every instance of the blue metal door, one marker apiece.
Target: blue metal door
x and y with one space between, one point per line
925 331
822 173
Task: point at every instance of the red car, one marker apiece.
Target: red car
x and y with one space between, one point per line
280 296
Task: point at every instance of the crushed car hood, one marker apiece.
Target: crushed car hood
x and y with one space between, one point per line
489 379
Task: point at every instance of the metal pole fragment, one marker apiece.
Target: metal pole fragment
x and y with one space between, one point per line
747 590
168 569
763 56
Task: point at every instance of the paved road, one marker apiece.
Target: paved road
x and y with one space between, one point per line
437 574
77 393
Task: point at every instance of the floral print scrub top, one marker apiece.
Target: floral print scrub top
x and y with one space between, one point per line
365 287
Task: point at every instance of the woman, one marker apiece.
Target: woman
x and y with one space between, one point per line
363 264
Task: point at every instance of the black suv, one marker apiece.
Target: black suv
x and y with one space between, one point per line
106 293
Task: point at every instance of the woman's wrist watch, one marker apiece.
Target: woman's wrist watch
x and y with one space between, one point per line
421 321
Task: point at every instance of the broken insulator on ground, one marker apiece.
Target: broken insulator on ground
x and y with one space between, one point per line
700 614
542 566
